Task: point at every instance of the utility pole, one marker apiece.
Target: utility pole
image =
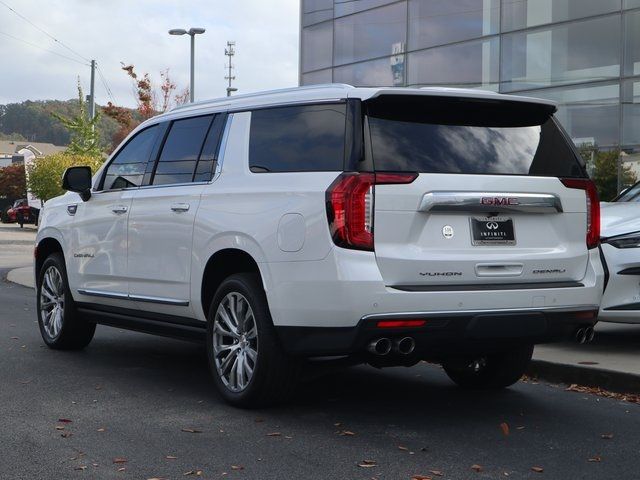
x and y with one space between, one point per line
92 93
230 52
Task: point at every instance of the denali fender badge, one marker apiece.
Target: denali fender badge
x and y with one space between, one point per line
447 231
550 271
441 274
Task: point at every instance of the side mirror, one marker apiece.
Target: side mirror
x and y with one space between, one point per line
78 179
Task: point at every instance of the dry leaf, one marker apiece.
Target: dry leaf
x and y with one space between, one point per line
596 459
119 460
237 467
191 430
66 434
476 468
101 429
171 457
368 464
81 467
274 434
197 473
537 469
121 469
607 436
402 447
505 428
59 427
64 420
347 433
437 473
420 477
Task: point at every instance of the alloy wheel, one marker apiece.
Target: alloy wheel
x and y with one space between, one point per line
52 301
235 341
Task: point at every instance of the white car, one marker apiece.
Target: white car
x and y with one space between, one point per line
620 230
376 225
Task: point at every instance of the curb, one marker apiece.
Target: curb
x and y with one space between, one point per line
21 276
614 381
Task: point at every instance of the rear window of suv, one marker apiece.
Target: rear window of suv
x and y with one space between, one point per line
305 138
453 135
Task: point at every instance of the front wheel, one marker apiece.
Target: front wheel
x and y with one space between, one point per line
246 360
492 371
61 326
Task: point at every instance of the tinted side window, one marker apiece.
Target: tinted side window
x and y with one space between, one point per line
127 168
209 154
298 139
181 150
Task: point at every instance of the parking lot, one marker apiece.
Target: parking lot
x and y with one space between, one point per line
137 406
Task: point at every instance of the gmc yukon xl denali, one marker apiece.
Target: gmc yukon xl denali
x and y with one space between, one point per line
374 225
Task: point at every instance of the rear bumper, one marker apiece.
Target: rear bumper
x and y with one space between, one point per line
444 333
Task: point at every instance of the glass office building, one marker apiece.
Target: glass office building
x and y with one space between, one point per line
583 54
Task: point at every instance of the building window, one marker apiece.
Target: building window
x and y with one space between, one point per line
519 14
370 34
578 52
383 72
316 11
631 112
320 76
632 43
347 7
317 45
469 64
590 113
631 3
437 22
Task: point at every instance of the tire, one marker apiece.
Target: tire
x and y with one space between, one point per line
61 326
267 375
493 371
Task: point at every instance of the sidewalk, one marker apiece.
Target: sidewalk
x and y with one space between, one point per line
611 361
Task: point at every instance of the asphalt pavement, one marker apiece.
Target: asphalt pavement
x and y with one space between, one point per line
141 407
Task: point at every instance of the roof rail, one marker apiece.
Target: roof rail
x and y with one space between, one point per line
258 94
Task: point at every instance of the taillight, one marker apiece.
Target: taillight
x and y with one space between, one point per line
593 207
350 206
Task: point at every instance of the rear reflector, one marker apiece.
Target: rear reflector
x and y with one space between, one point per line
400 323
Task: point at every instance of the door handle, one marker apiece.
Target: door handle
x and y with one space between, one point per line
180 207
119 209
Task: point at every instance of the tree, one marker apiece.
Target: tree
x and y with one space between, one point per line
604 167
85 139
12 182
45 174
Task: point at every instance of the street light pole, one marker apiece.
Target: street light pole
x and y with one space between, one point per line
192 32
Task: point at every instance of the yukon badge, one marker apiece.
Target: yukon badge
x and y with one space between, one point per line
441 274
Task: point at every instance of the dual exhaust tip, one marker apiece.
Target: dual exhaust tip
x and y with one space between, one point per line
584 335
384 346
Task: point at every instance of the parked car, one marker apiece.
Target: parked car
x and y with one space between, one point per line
374 225
21 213
621 252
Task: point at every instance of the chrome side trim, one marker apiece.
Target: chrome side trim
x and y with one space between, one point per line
137 298
403 315
490 202
100 293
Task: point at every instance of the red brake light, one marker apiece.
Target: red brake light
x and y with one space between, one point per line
400 323
350 201
593 207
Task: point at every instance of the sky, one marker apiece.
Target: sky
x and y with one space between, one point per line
135 32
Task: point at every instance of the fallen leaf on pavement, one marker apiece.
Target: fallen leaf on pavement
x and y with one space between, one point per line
274 434
237 467
197 473
476 468
421 477
347 433
505 428
64 420
101 430
597 459
191 430
537 469
119 460
81 467
625 397
171 457
437 473
121 469
402 447
607 436
66 434
368 464
59 427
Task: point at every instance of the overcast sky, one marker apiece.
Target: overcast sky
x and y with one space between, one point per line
135 32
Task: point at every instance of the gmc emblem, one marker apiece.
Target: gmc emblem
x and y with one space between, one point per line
499 201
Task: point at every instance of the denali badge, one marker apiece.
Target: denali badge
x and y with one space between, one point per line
441 274
447 231
555 270
499 201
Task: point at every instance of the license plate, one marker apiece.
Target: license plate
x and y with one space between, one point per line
492 231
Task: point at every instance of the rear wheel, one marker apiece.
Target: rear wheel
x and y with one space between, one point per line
246 360
490 371
61 326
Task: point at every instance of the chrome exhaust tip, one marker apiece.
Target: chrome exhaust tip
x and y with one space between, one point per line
380 346
581 336
404 346
590 333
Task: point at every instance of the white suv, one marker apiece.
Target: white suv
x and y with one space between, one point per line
375 225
